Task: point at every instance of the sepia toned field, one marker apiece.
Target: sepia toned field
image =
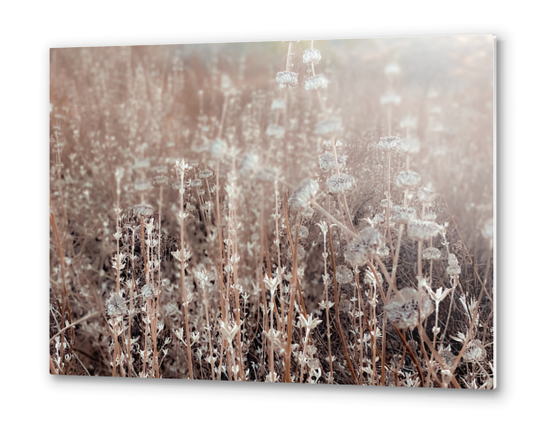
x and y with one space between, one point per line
312 212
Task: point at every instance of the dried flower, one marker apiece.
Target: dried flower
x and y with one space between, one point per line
389 142
315 82
406 306
344 275
311 56
338 184
143 211
301 198
426 194
474 352
116 305
206 173
303 232
401 214
407 179
360 250
422 230
431 253
287 78
453 270
327 161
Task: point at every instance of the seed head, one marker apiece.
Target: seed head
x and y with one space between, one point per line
360 250
287 78
422 230
303 196
327 161
389 142
431 253
405 307
338 184
475 351
315 82
401 214
407 179
311 56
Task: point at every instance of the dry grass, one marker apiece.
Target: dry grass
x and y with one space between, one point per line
207 223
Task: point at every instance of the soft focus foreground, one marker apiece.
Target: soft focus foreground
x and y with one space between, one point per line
309 212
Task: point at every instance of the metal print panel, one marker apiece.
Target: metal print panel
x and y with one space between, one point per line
316 212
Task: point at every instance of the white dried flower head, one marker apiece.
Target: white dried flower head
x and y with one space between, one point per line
410 145
344 275
426 194
219 149
274 130
383 251
315 82
301 253
329 126
402 215
147 291
405 308
447 357
196 183
303 232
328 145
475 352
389 142
327 161
311 56
302 197
487 230
360 250
143 211
116 305
206 173
392 68
308 213
338 184
390 98
452 259
160 180
407 179
142 185
453 270
287 78
431 253
422 230
249 163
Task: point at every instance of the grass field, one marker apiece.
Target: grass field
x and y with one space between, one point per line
312 212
